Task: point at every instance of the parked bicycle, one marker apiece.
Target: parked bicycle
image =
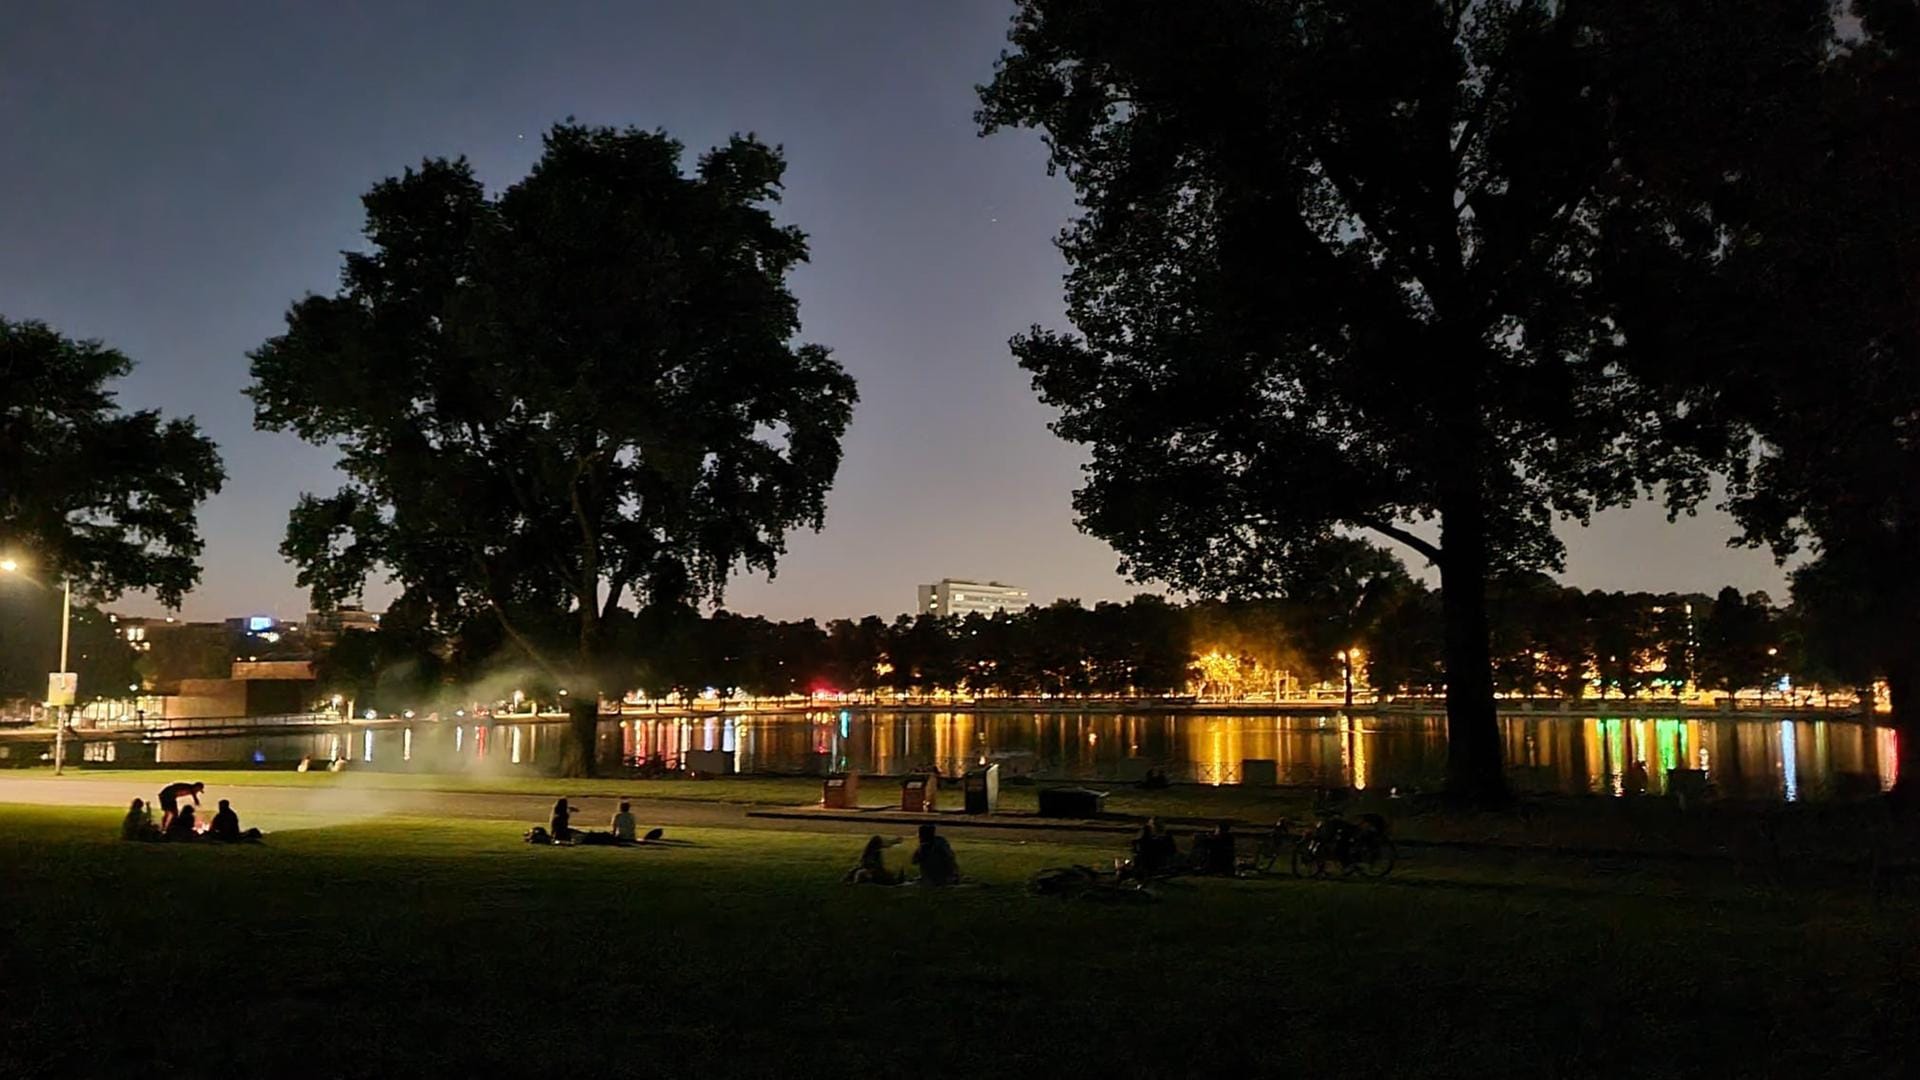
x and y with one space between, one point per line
1360 846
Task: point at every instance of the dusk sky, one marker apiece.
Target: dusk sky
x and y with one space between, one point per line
173 176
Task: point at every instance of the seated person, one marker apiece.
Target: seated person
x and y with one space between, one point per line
136 826
1218 852
557 826
1153 851
936 860
182 826
622 825
226 823
872 868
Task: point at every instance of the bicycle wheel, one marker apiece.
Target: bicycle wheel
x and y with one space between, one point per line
1267 853
1308 861
1375 857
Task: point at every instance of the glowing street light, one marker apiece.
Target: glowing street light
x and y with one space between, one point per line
12 566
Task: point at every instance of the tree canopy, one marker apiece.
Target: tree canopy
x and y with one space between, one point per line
1334 269
103 498
582 390
1775 303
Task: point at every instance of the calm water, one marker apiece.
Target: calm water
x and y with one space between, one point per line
1780 759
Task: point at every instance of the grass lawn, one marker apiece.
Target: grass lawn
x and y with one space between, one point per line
398 948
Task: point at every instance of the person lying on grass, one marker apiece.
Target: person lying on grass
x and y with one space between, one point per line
936 860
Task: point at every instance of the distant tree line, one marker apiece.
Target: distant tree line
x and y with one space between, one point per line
1549 640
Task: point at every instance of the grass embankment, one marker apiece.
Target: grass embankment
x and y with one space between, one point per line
403 948
1760 836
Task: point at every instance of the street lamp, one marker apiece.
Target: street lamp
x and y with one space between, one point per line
60 721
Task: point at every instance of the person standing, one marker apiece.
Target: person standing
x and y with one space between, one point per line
170 799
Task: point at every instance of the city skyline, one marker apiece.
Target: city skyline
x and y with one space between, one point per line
175 218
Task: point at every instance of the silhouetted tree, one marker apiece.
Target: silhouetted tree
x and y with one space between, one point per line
544 402
89 493
30 646
1781 292
1735 639
1333 268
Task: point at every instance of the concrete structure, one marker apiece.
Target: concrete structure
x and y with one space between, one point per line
341 619
949 596
257 688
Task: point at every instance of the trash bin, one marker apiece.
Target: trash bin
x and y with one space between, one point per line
1072 802
1687 786
919 792
1259 772
982 788
841 792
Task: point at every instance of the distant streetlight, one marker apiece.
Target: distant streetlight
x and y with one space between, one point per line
60 720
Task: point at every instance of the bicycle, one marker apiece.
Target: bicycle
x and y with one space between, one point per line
1361 847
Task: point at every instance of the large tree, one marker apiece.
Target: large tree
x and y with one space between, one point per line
90 494
582 390
1777 301
1333 270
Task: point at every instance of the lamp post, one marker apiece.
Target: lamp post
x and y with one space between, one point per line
12 566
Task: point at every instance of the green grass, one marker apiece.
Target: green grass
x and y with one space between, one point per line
394 947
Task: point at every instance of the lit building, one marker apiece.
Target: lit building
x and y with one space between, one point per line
950 597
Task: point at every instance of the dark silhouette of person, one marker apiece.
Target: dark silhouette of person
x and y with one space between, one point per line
1636 778
622 825
170 799
1153 850
557 826
135 825
872 868
226 823
1213 852
181 827
936 860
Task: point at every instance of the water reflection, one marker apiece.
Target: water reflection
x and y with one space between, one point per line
1788 759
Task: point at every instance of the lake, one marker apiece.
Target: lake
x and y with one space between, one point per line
1786 759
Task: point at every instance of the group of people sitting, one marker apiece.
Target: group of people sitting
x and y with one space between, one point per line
621 829
179 822
934 856
1156 855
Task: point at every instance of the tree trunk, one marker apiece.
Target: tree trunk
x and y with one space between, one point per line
583 735
1474 770
1903 694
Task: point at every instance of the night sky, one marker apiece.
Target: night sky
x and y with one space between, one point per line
174 175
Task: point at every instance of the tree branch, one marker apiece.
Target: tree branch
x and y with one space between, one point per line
1394 532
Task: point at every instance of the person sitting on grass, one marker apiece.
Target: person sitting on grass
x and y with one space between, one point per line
936 860
136 825
1154 853
557 827
872 868
623 828
170 800
226 826
182 826
1213 852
